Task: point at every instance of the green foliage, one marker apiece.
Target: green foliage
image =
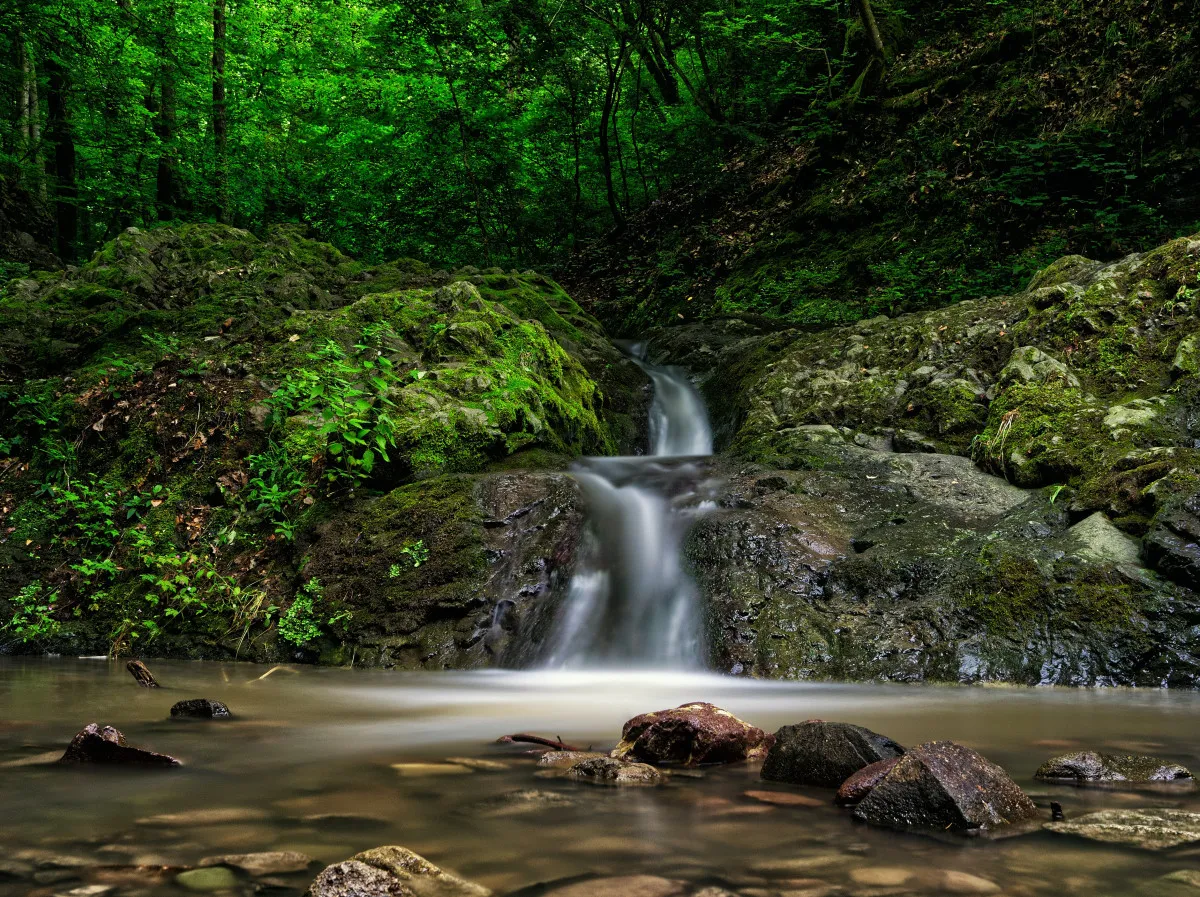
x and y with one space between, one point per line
33 614
415 552
298 624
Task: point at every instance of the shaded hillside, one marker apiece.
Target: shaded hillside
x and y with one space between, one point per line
999 139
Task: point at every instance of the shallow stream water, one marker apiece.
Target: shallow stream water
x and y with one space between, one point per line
307 764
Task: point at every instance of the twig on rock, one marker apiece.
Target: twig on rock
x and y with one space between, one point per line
526 738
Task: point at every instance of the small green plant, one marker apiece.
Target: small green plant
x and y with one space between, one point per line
298 624
275 484
416 552
393 571
33 614
1055 491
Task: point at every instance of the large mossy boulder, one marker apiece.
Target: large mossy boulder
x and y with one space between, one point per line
825 754
696 734
1095 768
944 786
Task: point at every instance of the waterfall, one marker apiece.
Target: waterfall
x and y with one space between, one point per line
631 602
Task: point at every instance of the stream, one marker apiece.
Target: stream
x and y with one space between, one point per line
307 764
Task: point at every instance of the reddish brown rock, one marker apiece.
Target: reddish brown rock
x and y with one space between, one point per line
106 745
691 735
825 754
860 784
945 786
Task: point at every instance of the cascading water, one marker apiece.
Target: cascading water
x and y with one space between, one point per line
631 603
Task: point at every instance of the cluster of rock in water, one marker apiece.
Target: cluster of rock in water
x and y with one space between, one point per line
935 787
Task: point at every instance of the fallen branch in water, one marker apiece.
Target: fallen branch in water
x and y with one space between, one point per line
526 738
142 674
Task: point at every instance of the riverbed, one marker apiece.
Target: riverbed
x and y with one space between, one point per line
329 762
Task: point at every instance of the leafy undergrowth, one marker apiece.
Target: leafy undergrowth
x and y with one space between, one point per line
1000 138
179 414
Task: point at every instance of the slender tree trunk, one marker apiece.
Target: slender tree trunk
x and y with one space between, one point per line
220 111
66 209
29 133
637 151
166 191
867 16
610 93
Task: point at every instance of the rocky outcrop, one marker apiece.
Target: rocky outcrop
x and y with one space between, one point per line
690 735
1091 767
945 786
824 754
96 745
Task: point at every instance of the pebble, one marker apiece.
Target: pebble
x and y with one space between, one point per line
881 876
786 799
88 891
621 886
430 769
957 882
798 865
273 862
212 816
214 878
478 764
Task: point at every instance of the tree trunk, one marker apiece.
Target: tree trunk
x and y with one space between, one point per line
610 95
66 210
166 190
219 110
867 16
29 135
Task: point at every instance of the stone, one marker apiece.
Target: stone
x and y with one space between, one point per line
691 735
87 891
955 882
1085 767
478 764
512 803
881 876
214 878
859 785
1189 877
274 862
108 746
566 759
200 708
430 769
1096 539
1029 364
945 786
609 771
1150 829
620 886
784 799
392 871
824 754
1172 547
208 816
354 879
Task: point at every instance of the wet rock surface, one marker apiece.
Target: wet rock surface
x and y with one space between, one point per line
690 735
1151 829
620 886
945 786
609 771
859 785
1092 767
200 708
394 871
97 745
825 754
273 862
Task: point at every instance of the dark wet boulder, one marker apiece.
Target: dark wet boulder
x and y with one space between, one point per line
1172 547
391 872
945 786
1151 829
825 754
106 745
200 708
609 771
1091 767
691 735
859 785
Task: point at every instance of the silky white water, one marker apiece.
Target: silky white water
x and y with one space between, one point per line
631 602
